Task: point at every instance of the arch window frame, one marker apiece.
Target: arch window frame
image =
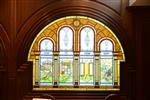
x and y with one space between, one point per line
76 53
58 36
79 36
64 57
89 56
107 56
48 56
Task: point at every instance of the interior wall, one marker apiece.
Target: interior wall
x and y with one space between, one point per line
145 58
21 21
3 65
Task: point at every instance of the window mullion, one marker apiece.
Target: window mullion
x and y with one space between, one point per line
76 71
97 71
56 70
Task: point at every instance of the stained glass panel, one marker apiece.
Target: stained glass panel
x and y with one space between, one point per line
106 71
66 39
46 47
46 71
66 56
106 63
66 71
106 45
46 44
46 62
87 39
86 69
86 74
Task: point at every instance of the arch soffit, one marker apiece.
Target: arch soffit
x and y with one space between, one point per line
51 12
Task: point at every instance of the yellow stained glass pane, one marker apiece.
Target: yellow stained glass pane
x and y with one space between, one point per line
91 23
69 21
46 32
84 21
105 32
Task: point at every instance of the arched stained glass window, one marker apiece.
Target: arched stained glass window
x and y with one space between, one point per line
106 63
86 75
106 45
76 52
46 46
87 39
66 39
66 56
46 62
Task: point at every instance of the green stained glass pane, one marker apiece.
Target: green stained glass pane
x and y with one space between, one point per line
106 71
46 71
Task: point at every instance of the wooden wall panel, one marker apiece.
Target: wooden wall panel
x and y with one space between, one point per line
24 80
141 16
26 8
3 84
145 57
5 14
3 63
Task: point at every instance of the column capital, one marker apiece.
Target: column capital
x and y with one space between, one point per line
56 53
76 53
97 53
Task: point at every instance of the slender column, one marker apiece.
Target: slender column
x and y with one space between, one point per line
36 74
116 75
34 57
76 71
56 69
96 70
118 72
